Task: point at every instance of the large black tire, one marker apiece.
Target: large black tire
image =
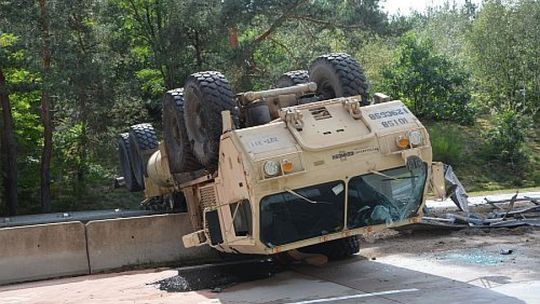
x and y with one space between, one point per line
336 249
179 153
206 95
124 153
339 75
143 142
292 78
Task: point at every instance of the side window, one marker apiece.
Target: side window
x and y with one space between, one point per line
241 214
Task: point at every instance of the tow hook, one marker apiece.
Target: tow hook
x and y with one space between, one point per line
294 117
353 107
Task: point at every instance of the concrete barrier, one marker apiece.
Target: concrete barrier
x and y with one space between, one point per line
42 251
154 239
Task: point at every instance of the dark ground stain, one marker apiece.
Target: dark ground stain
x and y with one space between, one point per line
219 276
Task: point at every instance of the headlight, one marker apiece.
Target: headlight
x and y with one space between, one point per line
271 168
415 137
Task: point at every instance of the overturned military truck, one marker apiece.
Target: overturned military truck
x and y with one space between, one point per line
308 165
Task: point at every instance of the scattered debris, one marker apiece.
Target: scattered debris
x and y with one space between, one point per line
506 251
513 212
473 256
456 191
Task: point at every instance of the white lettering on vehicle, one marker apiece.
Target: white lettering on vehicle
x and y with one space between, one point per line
264 141
392 118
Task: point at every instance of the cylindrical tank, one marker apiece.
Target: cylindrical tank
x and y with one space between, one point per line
158 170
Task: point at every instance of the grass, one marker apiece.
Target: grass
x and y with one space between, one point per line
447 144
477 173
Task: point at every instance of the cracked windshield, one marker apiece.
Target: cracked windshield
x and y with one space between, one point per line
386 197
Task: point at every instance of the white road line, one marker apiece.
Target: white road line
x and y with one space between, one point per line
14 300
364 295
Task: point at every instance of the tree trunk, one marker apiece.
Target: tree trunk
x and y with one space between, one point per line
9 152
233 37
46 118
198 49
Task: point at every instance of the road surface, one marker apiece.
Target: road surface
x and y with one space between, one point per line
468 266
421 267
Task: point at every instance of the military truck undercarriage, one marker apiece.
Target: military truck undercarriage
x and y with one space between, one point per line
307 165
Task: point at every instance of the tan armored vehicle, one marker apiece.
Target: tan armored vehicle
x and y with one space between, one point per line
309 165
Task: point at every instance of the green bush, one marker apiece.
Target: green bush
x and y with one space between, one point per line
429 83
505 141
447 144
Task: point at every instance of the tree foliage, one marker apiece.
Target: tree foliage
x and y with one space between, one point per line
111 61
428 82
505 141
505 51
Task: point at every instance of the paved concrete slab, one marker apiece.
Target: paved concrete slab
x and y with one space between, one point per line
288 287
153 240
118 288
327 285
373 277
42 251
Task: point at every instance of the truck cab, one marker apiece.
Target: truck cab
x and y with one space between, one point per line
323 171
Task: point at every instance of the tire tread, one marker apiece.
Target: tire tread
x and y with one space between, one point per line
293 78
217 96
350 74
174 105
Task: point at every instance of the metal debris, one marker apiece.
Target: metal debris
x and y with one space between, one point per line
506 251
502 216
456 191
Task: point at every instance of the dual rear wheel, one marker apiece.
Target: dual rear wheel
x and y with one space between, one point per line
135 148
